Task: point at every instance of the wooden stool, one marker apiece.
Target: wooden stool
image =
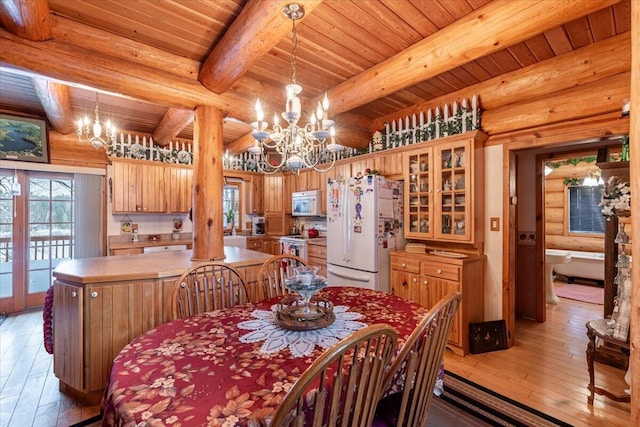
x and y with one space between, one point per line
598 328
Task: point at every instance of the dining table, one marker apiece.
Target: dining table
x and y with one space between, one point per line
233 366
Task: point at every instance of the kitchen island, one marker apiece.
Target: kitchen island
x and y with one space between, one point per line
101 304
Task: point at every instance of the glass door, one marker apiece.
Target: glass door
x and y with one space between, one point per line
50 231
36 234
9 197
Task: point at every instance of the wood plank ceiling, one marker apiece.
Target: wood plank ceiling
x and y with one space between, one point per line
337 41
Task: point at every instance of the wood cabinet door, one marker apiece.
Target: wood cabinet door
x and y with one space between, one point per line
257 185
314 178
288 188
389 164
68 349
154 197
114 315
250 276
360 166
341 170
125 188
402 284
438 289
273 194
179 189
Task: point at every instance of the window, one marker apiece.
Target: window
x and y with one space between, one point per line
584 213
231 206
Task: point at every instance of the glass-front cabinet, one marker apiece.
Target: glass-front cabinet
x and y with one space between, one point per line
451 184
443 189
419 193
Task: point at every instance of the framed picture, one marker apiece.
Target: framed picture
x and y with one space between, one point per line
23 139
487 336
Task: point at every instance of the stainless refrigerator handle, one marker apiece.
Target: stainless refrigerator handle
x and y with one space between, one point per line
346 276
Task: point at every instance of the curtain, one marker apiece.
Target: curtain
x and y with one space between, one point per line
88 216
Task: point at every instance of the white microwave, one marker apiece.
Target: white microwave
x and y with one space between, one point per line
306 203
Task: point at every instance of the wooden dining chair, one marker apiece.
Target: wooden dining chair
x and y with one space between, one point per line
419 362
208 286
342 386
273 273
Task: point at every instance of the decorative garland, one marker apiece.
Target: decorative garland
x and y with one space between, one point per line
47 318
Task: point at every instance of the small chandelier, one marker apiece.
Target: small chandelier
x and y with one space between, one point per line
94 135
298 147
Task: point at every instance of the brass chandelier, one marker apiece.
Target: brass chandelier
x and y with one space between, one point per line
93 134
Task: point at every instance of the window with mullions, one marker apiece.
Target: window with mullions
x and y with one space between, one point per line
231 206
585 215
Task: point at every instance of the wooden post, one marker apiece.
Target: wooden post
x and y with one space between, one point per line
634 151
208 181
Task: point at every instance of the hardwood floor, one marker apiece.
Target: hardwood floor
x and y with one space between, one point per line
546 370
29 393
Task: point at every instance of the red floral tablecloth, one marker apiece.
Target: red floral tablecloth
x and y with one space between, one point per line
197 372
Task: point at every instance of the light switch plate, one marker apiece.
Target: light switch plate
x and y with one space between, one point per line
495 224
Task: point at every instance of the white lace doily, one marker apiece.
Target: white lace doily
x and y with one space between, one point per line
300 343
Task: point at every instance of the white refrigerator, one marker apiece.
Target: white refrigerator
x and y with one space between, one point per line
364 223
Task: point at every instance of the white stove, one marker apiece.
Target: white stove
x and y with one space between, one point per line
294 245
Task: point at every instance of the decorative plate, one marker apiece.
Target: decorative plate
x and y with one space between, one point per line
184 157
137 151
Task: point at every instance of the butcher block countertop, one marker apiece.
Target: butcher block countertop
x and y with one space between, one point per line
145 266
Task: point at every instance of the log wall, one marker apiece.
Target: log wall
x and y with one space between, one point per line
556 212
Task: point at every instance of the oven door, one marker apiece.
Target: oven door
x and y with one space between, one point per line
297 247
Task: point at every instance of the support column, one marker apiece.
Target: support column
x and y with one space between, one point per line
208 182
634 162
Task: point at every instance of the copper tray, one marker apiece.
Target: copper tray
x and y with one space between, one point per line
291 313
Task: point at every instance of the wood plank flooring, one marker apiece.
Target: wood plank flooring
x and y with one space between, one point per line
546 370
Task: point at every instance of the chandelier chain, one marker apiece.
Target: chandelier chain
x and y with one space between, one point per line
294 38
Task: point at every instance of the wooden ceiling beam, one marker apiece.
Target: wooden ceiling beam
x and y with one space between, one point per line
598 97
29 19
258 28
172 123
56 102
64 62
240 145
593 62
489 29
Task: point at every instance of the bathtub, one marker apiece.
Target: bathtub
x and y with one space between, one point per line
586 265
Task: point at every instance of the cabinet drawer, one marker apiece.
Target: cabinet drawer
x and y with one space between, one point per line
444 271
405 264
127 251
254 244
318 262
317 251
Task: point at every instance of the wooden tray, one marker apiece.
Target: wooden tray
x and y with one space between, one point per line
291 313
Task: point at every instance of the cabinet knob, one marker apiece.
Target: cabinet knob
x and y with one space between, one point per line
415 280
74 294
404 265
426 282
439 271
94 294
